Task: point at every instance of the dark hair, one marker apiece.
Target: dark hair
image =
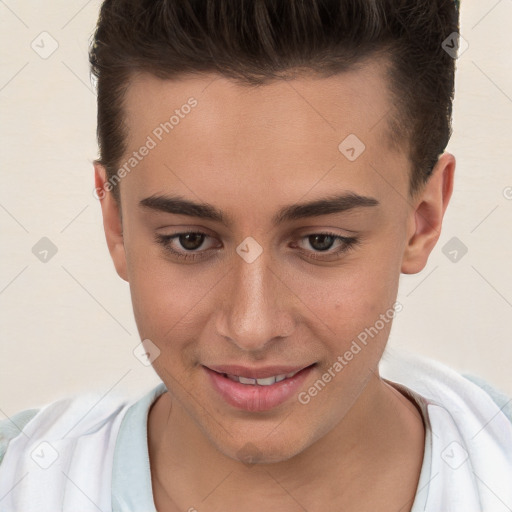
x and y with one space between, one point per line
255 41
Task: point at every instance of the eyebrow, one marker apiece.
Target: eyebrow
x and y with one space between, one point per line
323 206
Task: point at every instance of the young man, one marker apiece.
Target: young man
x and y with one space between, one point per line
267 172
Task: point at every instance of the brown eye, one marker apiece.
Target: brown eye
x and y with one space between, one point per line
321 242
191 241
187 246
327 246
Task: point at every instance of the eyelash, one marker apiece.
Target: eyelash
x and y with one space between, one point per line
348 243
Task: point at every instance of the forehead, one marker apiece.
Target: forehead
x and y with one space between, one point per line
286 132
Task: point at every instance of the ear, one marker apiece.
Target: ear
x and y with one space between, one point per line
112 222
426 216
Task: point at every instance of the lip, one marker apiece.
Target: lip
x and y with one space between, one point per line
254 398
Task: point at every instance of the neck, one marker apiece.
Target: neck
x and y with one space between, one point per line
379 433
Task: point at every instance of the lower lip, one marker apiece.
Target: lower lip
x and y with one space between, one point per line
256 398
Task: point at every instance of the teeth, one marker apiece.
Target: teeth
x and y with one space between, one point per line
245 380
268 381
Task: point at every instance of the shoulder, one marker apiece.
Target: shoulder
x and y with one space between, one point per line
12 427
501 399
42 447
444 385
70 417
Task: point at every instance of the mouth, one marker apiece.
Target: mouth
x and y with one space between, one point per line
265 381
257 389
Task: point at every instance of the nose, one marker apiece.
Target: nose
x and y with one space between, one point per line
255 305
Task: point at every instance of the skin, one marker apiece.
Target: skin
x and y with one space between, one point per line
249 151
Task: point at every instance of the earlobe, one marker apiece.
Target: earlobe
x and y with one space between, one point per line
112 222
426 217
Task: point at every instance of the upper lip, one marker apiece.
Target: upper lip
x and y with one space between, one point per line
255 373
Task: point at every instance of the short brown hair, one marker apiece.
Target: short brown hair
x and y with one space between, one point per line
254 41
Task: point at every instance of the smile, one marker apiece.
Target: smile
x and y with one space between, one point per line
268 381
256 390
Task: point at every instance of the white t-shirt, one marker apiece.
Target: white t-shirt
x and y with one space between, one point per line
81 454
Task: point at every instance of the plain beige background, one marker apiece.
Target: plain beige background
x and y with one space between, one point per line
67 324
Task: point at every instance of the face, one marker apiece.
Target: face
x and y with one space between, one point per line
260 239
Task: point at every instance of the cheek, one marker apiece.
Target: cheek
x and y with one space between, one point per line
352 297
160 296
168 310
165 300
359 312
